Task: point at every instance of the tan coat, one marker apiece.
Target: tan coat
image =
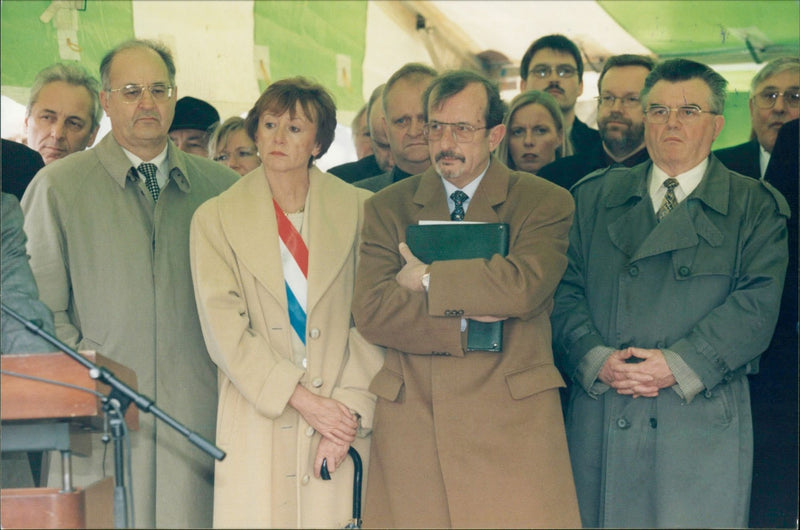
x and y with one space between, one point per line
267 478
114 269
467 439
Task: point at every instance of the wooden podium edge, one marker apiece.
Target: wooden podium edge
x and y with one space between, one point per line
91 507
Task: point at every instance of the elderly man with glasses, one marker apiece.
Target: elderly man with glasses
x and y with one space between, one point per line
553 64
774 100
108 236
671 294
465 436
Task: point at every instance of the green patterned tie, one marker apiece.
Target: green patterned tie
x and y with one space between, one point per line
670 201
458 197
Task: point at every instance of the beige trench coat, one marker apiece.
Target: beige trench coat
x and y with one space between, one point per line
114 269
267 478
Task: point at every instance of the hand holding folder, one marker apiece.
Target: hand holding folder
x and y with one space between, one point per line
441 242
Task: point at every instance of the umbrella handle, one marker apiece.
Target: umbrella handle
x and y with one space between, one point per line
358 472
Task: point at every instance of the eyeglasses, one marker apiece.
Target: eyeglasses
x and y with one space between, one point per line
462 132
133 93
607 100
562 70
684 114
767 99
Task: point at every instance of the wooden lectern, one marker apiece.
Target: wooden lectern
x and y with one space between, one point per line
38 416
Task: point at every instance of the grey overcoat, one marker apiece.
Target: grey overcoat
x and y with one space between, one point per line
114 269
704 283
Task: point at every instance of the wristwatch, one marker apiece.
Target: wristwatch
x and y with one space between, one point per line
426 280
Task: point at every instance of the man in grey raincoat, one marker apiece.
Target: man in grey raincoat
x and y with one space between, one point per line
671 294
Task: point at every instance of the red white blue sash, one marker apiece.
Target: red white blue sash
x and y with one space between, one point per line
294 258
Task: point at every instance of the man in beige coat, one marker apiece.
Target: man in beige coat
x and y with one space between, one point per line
465 439
112 263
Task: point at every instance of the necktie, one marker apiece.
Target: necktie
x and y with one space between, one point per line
149 171
458 197
670 201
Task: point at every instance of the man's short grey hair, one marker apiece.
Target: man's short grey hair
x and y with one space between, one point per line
676 70
376 94
73 74
158 47
775 67
411 71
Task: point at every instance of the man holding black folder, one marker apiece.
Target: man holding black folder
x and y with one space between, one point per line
465 437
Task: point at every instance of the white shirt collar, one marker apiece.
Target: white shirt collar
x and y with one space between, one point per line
763 160
469 189
687 182
160 160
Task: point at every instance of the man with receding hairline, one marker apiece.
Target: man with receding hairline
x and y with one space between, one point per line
465 438
108 236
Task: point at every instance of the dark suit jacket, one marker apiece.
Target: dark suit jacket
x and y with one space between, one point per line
440 409
742 158
583 137
378 182
567 171
774 389
20 164
358 170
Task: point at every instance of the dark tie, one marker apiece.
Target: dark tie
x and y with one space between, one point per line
670 201
149 171
458 197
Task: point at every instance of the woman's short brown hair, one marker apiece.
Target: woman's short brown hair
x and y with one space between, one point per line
282 96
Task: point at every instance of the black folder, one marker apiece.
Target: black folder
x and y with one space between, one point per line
441 242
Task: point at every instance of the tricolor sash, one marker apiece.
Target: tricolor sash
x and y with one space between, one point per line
294 258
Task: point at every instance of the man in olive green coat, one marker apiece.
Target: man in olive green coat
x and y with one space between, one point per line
111 257
670 296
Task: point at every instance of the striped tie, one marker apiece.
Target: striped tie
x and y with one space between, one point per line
149 171
670 201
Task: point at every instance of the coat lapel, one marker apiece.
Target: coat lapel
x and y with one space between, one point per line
333 213
638 234
431 198
248 219
492 191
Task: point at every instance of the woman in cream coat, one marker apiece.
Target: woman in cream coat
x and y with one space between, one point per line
291 392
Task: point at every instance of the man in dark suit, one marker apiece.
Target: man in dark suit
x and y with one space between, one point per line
774 100
774 388
553 64
620 120
20 164
465 438
380 160
403 115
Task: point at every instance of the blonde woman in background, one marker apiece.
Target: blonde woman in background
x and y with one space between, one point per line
230 146
534 132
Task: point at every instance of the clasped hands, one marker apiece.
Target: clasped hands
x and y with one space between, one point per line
410 277
639 379
333 420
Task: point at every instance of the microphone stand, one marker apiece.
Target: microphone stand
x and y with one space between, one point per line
120 397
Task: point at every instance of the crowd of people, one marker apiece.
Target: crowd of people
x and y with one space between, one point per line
648 370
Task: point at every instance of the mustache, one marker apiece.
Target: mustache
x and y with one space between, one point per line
448 154
615 117
554 86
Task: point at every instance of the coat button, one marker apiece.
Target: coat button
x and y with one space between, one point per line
633 270
306 479
314 333
317 382
310 431
684 271
623 423
653 423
